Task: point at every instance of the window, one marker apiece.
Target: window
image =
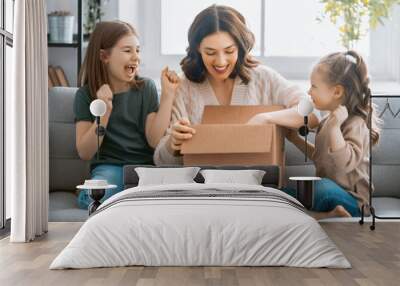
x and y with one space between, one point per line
174 30
6 43
8 86
307 38
9 15
288 36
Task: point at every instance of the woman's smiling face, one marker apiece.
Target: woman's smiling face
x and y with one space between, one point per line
220 54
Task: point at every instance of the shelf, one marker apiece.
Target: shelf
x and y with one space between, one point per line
77 38
74 44
65 45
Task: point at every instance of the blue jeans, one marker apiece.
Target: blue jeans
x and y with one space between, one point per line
111 173
328 195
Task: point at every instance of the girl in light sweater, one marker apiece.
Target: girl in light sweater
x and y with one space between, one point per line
339 85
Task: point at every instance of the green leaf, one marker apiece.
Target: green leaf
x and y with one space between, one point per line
348 15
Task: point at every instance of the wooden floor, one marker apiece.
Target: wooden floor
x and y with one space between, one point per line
374 255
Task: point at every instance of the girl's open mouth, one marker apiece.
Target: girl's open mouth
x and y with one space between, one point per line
131 69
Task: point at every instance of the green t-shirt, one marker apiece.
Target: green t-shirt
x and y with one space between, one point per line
125 140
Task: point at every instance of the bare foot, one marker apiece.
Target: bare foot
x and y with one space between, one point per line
338 211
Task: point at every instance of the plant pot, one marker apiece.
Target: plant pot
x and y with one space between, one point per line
61 29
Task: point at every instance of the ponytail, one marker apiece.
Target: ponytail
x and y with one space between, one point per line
349 70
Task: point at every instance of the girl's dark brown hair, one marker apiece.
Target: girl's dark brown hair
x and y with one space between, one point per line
214 19
104 37
349 70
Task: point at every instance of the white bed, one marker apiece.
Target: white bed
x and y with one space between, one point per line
201 224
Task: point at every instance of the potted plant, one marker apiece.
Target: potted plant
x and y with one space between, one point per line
350 14
61 25
93 16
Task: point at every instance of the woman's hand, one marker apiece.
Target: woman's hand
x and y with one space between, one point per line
258 119
181 131
105 93
338 116
169 83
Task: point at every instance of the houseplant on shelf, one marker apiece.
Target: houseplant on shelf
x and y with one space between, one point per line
93 16
61 25
349 15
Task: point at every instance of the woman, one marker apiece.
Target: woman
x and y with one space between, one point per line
218 70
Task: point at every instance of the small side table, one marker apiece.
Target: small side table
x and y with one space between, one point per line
96 189
305 190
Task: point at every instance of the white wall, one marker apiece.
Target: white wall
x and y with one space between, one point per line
152 62
386 65
135 12
129 11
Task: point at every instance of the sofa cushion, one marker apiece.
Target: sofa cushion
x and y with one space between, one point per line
386 155
66 174
294 156
390 122
63 207
61 101
386 206
296 164
67 170
387 151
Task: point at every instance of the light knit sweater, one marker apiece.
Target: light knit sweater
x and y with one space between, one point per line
266 87
348 166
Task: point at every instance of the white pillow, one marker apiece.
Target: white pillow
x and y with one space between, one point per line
248 177
166 176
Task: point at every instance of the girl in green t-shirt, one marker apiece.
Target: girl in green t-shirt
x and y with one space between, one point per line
134 121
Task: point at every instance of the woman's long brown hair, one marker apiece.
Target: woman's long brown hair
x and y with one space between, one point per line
104 37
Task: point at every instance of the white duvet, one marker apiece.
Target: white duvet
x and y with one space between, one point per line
182 230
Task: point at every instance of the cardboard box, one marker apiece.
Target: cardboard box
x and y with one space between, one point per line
223 138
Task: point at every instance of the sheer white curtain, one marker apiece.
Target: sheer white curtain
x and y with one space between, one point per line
27 173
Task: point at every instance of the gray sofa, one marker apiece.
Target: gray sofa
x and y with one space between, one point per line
67 170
